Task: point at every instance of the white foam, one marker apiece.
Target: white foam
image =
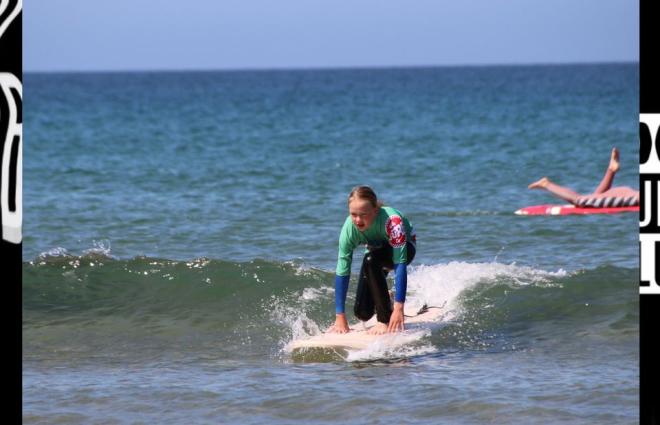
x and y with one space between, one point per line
311 294
296 320
300 268
293 313
55 252
438 285
100 248
399 345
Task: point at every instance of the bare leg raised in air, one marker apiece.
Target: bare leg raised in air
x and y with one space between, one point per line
559 191
603 190
612 168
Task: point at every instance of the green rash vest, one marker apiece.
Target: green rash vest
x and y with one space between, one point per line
389 226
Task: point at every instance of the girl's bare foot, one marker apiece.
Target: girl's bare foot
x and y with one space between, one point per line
378 329
539 184
614 161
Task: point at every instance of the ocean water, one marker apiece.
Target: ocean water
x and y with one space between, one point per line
180 228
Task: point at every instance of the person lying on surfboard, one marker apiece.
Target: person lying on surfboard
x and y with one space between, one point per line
390 245
604 196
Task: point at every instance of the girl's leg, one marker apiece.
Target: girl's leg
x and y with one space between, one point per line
559 191
373 285
364 303
608 178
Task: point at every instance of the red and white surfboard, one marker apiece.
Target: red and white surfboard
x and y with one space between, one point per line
568 209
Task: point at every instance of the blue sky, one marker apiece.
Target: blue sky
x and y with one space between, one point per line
259 34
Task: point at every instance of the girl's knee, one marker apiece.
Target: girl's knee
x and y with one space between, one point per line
363 315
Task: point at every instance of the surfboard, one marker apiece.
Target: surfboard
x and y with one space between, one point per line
358 338
568 209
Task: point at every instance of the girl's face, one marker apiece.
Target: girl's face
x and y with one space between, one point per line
362 213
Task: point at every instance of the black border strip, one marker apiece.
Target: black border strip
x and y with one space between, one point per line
13 173
11 45
649 304
649 69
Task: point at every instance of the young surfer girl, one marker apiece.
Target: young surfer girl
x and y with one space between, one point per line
604 196
390 245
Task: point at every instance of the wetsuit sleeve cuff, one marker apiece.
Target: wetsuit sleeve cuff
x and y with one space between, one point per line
341 287
400 282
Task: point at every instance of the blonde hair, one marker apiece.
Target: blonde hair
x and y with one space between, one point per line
367 193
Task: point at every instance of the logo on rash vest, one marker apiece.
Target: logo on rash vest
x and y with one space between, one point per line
395 231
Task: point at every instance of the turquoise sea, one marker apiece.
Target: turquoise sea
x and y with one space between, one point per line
180 228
